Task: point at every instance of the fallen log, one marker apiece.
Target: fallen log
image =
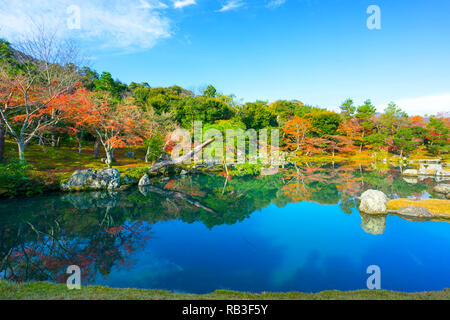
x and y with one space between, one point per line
181 159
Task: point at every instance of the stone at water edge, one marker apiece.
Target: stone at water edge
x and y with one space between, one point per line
373 202
145 180
105 179
442 188
416 212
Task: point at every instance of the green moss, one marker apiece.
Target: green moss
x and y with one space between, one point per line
49 291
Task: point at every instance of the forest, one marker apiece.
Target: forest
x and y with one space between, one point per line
48 99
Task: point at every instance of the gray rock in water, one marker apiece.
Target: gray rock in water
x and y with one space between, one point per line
373 202
373 224
442 188
105 179
415 212
145 180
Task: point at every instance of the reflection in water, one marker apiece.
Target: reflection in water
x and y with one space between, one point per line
107 233
373 223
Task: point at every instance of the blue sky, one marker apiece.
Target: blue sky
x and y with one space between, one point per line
317 51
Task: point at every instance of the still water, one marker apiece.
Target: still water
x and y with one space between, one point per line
297 230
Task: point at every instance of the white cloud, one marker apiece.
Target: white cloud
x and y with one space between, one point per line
112 24
178 4
432 104
152 5
231 5
275 3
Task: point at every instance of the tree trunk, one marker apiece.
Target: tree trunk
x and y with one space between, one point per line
147 154
96 148
54 138
41 138
21 148
2 140
79 140
109 156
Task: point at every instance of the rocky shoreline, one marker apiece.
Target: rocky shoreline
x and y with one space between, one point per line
374 202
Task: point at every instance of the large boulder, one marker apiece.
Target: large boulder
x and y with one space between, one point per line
442 188
373 202
145 181
81 180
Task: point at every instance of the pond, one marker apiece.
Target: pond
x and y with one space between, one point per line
295 230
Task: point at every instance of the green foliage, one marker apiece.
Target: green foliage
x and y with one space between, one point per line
285 110
105 83
200 108
404 140
155 145
17 179
210 92
348 109
257 115
366 111
325 123
376 140
438 136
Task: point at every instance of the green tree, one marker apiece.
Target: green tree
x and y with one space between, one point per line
437 138
257 115
325 123
364 114
210 92
348 109
404 141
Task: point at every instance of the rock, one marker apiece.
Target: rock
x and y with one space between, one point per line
183 172
373 224
373 202
415 212
130 154
411 172
442 188
105 179
130 181
145 180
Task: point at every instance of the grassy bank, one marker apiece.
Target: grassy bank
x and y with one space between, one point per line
49 291
441 208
